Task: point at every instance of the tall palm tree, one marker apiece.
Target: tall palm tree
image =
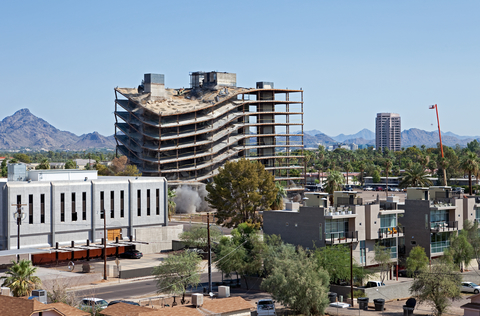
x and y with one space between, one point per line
333 183
470 164
20 278
415 176
361 166
281 194
171 203
387 165
347 167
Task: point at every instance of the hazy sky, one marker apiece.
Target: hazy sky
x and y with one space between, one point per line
62 59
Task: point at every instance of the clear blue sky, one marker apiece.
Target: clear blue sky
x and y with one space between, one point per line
62 59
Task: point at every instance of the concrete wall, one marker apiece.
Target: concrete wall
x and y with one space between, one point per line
44 234
158 238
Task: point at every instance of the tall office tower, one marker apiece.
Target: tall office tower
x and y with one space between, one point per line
388 131
186 135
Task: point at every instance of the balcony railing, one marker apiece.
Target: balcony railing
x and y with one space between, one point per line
349 201
389 232
443 226
341 237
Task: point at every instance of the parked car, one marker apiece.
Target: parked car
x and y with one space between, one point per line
265 307
367 189
121 301
459 190
379 189
132 254
90 302
348 188
374 284
470 287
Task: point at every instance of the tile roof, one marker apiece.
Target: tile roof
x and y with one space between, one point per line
122 309
16 306
226 305
68 310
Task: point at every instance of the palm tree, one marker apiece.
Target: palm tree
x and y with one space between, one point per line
281 194
20 278
333 183
171 203
415 176
470 165
347 167
361 166
388 165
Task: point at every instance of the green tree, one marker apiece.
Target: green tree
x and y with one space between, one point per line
471 228
388 166
474 146
347 167
171 203
4 168
239 191
333 183
198 237
417 260
361 167
130 171
383 258
376 176
178 272
44 165
20 278
460 250
281 194
102 169
70 164
297 282
415 176
437 287
470 165
336 261
22 157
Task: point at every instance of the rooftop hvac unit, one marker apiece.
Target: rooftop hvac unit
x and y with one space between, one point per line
197 299
40 295
223 291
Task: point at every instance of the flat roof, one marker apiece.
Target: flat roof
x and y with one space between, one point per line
22 251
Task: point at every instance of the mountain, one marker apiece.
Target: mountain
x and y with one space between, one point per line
364 133
417 137
313 132
25 130
458 136
360 141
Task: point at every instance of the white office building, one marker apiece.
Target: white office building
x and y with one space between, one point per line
68 205
388 131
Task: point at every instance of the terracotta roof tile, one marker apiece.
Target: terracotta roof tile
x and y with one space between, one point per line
68 310
121 309
226 305
16 306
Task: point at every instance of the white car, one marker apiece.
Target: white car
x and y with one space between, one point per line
89 302
470 287
266 307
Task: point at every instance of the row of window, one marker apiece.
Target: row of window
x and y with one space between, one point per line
76 215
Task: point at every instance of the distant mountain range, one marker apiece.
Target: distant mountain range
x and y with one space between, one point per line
410 137
25 130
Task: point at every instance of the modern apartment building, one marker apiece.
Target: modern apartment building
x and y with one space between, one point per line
348 221
69 205
433 214
388 131
185 135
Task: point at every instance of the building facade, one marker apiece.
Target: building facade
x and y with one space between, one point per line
69 205
185 135
348 221
388 131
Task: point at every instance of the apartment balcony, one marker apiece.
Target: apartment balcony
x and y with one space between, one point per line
391 232
349 201
436 227
339 212
341 238
445 204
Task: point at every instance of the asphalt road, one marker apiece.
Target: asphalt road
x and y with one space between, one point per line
134 289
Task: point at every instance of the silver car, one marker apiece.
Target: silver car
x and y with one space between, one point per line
470 287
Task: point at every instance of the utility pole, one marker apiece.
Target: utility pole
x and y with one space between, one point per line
441 146
209 256
351 273
104 245
18 215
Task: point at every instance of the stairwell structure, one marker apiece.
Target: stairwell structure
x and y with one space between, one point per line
186 135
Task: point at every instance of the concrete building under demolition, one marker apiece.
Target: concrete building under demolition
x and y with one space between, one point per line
185 135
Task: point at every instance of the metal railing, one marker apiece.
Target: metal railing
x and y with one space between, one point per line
389 232
444 226
341 237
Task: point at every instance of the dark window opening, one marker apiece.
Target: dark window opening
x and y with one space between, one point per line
74 209
84 206
42 208
112 204
157 201
62 207
139 203
122 214
30 209
102 205
148 202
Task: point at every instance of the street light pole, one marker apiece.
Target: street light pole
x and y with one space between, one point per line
209 256
104 245
18 215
